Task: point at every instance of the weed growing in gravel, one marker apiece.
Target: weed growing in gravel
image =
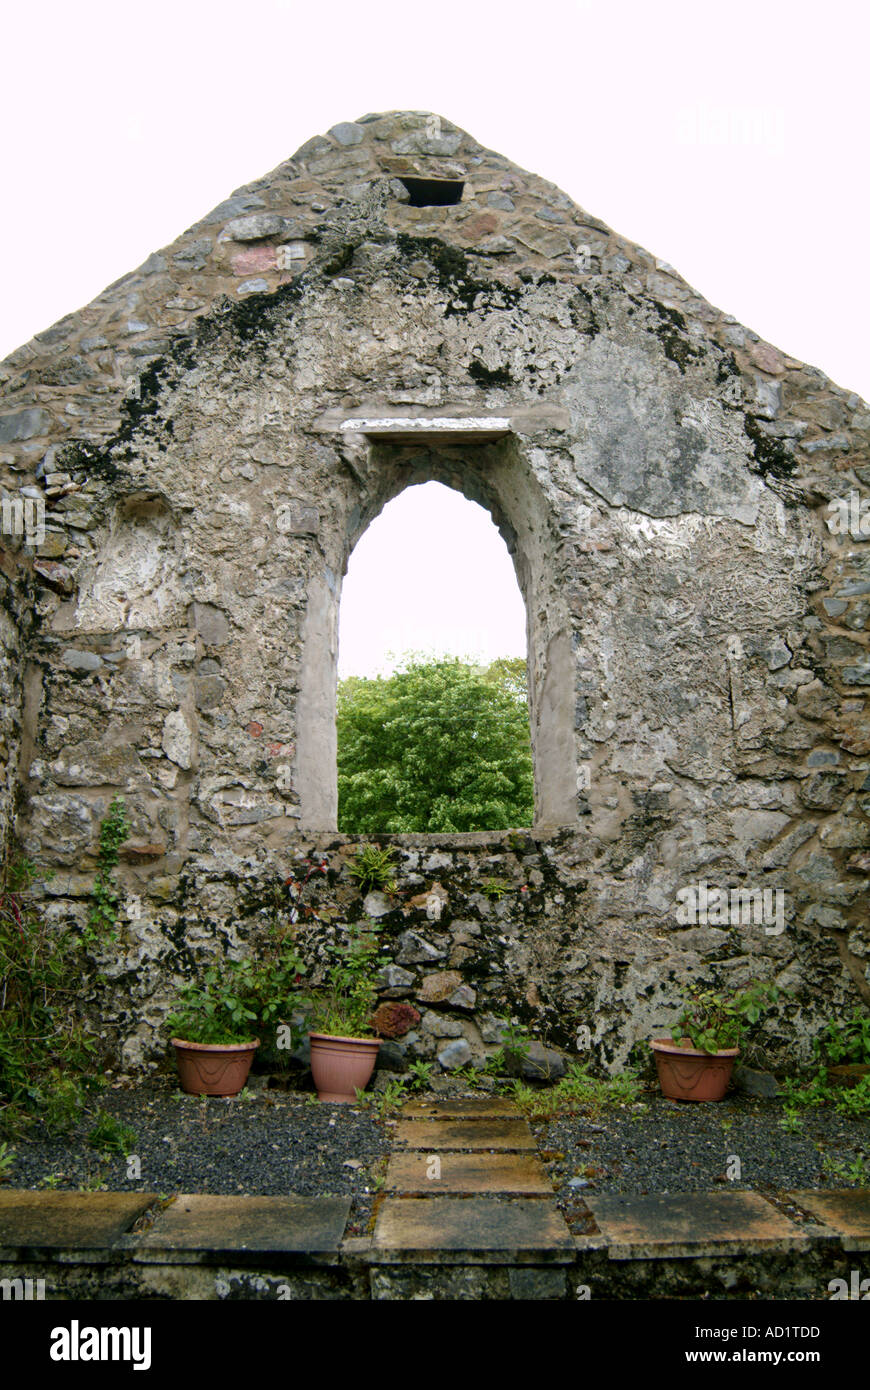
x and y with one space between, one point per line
856 1172
111 1136
7 1161
578 1092
791 1121
853 1101
396 1089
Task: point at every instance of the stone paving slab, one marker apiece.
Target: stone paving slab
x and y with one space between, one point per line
845 1211
672 1226
496 1107
69 1220
439 1136
204 1223
471 1230
468 1173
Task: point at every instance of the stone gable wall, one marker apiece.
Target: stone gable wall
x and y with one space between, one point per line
664 480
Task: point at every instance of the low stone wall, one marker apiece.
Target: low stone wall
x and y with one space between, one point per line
480 930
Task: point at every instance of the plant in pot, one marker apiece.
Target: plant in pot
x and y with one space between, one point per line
216 1025
696 1062
344 1047
213 1033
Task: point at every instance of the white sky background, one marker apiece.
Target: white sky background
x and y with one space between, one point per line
729 140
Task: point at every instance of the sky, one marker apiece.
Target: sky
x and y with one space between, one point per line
730 141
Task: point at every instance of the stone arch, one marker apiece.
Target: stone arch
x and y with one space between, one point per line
499 476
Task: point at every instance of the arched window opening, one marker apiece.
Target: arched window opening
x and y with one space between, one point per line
432 712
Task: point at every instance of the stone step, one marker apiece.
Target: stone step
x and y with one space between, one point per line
482 1230
439 1136
69 1220
495 1107
843 1211
412 1173
673 1226
295 1225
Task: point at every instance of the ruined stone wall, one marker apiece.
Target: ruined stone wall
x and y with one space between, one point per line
214 434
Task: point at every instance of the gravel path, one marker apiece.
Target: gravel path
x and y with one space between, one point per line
266 1142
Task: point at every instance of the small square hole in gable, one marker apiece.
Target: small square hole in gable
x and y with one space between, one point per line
432 193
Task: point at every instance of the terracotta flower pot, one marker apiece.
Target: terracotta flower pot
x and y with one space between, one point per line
213 1069
342 1066
687 1074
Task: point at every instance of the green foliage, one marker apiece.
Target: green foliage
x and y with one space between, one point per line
852 1101
102 924
495 888
396 1090
515 1043
59 1102
7 1161
344 1003
578 1092
420 1074
857 1171
714 1021
46 1051
845 1043
439 746
812 1093
217 1010
373 868
111 1136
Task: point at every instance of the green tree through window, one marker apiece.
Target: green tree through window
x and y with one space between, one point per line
439 746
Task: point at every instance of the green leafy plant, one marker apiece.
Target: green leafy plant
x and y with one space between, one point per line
344 1002
7 1161
216 1010
495 888
239 999
495 1064
46 1047
515 1043
110 1135
420 1074
845 1043
811 1093
857 1171
102 923
388 1099
714 1021
374 868
853 1100
578 1092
